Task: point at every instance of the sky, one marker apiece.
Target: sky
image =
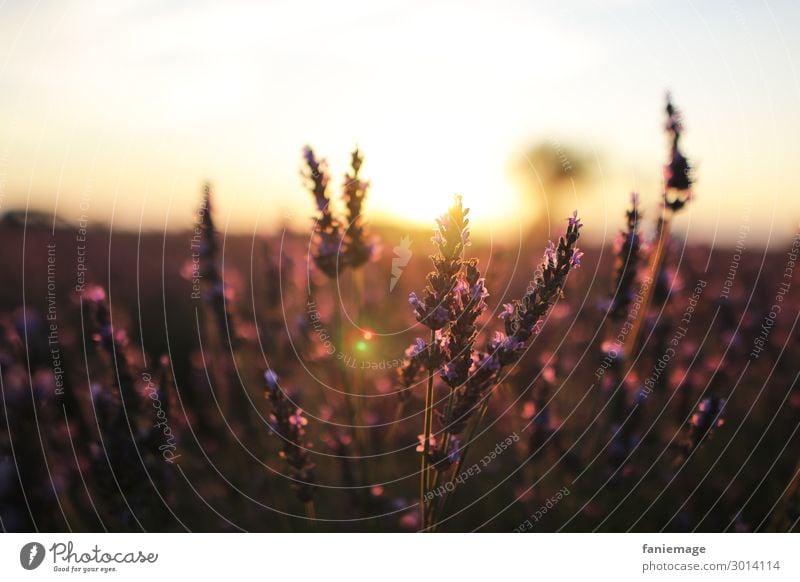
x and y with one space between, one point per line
117 112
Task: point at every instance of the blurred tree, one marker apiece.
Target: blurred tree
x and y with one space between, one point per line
551 174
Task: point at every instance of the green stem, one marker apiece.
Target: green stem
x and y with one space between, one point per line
339 355
311 513
445 446
655 269
356 376
424 482
357 277
464 453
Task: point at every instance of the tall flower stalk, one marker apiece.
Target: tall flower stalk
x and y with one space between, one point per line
357 250
435 309
628 257
336 246
287 422
222 342
677 193
450 306
523 319
327 236
117 468
211 272
356 246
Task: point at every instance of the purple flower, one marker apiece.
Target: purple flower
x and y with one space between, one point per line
574 221
628 257
418 347
271 378
677 174
678 171
421 446
550 253
287 421
575 260
509 309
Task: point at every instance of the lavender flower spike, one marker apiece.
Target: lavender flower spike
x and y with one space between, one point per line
288 422
628 247
433 309
523 317
678 172
357 249
522 320
327 237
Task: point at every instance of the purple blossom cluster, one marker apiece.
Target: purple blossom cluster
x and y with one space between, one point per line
287 421
338 244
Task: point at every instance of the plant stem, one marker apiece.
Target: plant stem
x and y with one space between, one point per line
445 446
357 277
339 355
655 268
362 436
311 513
358 294
470 439
426 442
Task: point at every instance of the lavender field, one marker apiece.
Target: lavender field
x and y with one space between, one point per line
360 375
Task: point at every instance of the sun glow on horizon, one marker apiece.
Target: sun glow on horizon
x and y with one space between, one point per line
142 103
425 189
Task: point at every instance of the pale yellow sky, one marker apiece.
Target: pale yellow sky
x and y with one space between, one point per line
136 103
